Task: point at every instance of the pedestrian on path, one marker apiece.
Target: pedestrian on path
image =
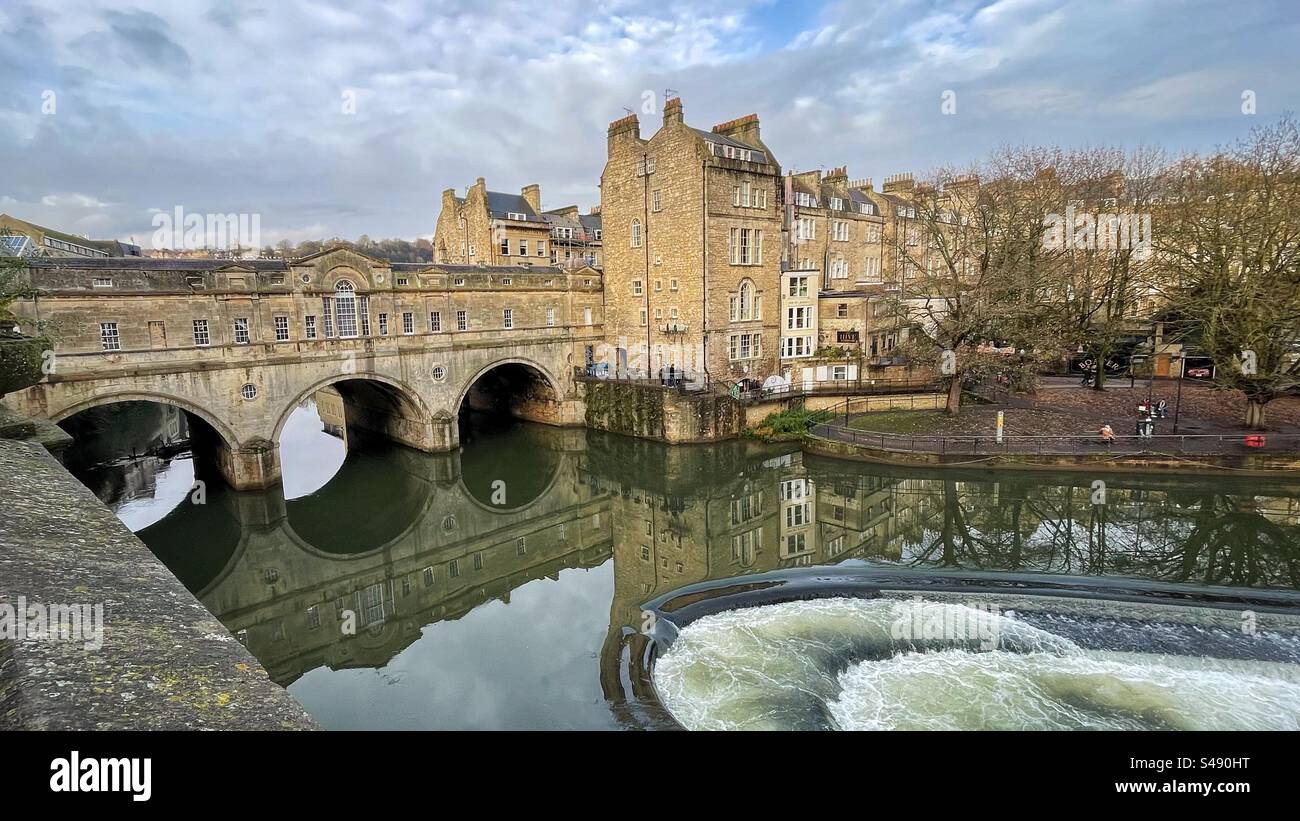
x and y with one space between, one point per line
1107 435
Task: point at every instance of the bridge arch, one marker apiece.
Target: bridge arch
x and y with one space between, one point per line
99 400
530 375
411 424
243 463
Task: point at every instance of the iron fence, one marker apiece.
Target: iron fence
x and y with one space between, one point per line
981 445
678 380
836 387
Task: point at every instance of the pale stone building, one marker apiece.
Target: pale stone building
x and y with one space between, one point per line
692 224
239 345
799 316
492 228
576 239
124 305
834 227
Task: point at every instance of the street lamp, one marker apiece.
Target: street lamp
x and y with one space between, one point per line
1178 403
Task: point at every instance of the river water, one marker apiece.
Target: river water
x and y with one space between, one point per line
506 585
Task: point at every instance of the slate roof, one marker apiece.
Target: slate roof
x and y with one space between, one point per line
721 139
157 263
500 204
412 267
861 197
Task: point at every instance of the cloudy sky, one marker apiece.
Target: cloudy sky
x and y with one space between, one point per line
113 111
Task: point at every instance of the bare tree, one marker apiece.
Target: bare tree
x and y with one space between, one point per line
974 270
1227 239
1105 276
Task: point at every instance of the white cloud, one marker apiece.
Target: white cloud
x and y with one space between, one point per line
72 201
235 106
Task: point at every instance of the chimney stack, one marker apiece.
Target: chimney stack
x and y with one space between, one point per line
625 128
673 111
532 195
898 182
744 129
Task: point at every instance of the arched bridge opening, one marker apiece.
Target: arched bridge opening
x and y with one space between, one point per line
342 417
505 392
144 457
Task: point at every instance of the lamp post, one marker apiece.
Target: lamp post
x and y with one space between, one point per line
1178 403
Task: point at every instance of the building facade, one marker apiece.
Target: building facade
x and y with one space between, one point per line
692 224
834 227
492 228
576 239
240 344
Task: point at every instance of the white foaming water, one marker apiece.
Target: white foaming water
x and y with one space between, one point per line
853 664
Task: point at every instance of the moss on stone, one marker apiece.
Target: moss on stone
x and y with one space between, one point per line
21 358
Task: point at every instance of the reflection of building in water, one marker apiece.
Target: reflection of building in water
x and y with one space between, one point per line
437 547
866 516
149 433
773 514
1283 510
330 409
130 480
399 540
676 524
289 599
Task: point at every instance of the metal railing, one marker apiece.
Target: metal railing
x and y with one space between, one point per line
679 380
836 387
1171 444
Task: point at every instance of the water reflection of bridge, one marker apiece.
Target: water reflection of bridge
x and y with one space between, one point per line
434 545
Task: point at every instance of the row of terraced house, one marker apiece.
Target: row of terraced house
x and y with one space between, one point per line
716 264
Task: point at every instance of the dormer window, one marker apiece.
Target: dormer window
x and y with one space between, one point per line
837 204
515 215
102 282
731 152
866 208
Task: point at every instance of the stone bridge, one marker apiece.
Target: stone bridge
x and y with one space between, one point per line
241 344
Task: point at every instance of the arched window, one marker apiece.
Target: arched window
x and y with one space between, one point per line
745 303
345 308
636 233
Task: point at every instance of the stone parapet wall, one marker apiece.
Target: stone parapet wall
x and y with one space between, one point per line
662 414
165 662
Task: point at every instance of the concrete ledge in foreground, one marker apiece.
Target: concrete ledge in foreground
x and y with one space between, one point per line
165 662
